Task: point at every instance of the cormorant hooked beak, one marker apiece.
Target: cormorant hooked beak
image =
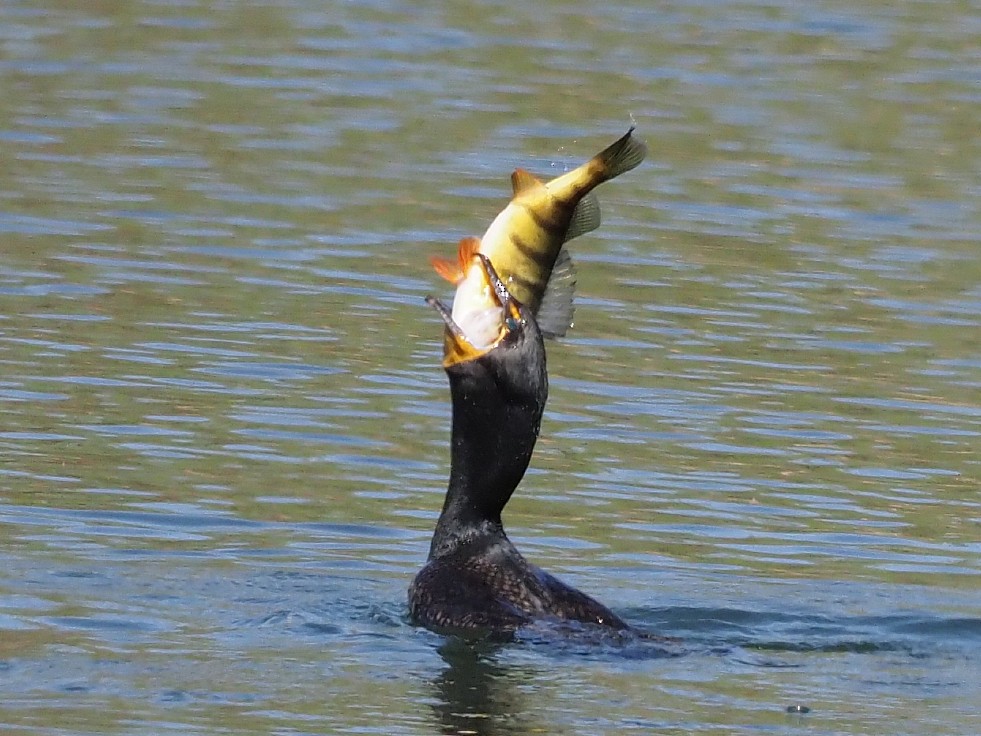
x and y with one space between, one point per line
457 347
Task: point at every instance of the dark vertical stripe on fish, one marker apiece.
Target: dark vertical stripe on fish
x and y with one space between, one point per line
549 224
566 204
539 258
529 296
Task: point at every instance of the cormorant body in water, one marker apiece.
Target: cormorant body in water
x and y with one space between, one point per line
475 578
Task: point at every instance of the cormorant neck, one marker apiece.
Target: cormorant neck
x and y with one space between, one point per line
497 411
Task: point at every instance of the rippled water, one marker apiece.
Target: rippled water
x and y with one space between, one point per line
225 426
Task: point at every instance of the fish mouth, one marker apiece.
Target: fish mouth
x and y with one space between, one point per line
460 340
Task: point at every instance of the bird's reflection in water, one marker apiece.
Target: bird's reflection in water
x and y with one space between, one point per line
475 695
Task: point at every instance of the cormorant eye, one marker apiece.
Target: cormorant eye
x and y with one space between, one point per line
512 324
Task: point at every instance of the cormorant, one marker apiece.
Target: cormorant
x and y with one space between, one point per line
475 579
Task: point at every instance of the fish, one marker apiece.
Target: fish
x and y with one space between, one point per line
525 245
506 319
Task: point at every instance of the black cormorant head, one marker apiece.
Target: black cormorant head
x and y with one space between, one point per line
498 395
514 361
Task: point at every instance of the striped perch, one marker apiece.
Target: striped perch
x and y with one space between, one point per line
525 245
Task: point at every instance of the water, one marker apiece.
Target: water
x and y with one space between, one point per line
225 426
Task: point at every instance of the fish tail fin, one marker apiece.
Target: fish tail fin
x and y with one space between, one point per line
619 157
454 270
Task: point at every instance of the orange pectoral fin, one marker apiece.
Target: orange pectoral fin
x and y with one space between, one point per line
448 268
466 251
455 271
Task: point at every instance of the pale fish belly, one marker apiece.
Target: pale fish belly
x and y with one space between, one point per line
475 308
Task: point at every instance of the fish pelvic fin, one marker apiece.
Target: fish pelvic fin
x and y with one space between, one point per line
454 271
523 181
619 157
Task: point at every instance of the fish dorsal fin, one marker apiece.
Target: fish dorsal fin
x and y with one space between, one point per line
585 218
523 181
555 312
453 271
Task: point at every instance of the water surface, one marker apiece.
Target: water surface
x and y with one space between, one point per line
225 425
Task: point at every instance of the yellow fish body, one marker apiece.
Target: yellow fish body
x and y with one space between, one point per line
525 240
